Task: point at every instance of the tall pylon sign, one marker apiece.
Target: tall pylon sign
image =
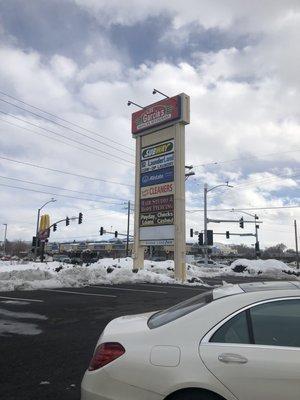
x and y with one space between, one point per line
159 130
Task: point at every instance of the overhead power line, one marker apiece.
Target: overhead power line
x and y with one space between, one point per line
246 209
62 141
58 194
244 158
62 119
64 172
60 188
65 137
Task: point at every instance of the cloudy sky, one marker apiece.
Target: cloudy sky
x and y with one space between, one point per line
68 68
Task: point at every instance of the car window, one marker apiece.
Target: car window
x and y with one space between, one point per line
179 310
233 331
277 323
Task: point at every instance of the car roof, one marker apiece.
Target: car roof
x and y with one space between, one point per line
250 287
263 286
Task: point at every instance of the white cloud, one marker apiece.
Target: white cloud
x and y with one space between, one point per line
244 103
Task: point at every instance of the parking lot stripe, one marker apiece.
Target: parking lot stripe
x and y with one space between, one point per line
129 290
166 286
79 293
18 298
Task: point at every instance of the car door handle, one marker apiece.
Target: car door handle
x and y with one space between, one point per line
231 358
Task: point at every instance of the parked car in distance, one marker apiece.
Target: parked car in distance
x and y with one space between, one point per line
236 342
202 262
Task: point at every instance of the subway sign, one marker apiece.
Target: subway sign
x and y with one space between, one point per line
156 114
158 149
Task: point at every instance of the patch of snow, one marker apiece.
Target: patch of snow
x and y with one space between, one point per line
50 275
16 302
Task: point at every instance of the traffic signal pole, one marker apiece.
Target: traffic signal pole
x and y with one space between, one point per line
296 243
207 220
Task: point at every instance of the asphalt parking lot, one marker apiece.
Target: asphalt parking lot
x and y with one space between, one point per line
47 336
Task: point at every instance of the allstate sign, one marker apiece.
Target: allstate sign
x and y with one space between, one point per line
156 177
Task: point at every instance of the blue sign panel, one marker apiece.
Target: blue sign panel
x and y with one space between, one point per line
156 177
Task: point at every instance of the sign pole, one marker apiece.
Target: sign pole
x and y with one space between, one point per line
138 250
180 242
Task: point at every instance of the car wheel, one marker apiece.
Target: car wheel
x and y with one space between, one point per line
195 394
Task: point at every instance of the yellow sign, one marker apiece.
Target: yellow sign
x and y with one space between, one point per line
44 231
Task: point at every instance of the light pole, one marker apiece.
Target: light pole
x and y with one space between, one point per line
128 227
206 190
256 230
37 226
4 243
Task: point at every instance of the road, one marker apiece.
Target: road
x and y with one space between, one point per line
61 328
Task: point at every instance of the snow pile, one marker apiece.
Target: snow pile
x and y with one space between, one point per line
268 268
30 276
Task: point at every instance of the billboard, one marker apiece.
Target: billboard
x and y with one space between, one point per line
157 163
159 131
44 231
161 112
158 176
158 149
157 218
157 190
163 203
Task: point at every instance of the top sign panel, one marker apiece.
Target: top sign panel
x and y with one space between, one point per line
156 114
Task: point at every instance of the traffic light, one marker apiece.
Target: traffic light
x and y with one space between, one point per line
227 234
34 242
101 231
242 222
191 232
210 238
67 221
200 239
54 227
80 218
116 234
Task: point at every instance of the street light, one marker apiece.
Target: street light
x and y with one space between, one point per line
37 225
4 243
206 190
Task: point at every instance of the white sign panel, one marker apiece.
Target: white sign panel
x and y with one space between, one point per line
157 190
157 232
156 163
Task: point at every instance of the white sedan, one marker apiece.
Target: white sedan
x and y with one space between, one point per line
235 342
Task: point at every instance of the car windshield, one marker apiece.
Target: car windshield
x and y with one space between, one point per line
179 310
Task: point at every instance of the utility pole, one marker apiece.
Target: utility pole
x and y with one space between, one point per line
296 242
257 250
4 243
128 227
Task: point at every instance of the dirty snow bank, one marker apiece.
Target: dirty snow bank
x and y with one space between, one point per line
30 276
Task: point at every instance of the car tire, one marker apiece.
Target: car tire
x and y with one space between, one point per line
195 394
